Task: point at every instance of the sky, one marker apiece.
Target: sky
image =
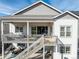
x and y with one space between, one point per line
7 7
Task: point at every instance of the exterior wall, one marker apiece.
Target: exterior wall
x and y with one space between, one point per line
24 25
41 10
10 28
73 40
57 55
6 28
49 24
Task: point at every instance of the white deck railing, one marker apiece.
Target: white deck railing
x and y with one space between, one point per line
10 38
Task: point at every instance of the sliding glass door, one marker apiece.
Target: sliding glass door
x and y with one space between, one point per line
39 30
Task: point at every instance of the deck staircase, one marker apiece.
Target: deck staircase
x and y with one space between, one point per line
36 46
33 48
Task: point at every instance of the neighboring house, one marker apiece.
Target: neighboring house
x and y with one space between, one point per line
40 27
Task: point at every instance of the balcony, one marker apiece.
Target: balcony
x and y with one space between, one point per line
10 38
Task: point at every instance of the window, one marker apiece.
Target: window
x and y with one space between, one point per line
68 31
18 29
39 30
42 30
62 49
33 30
62 31
65 31
65 49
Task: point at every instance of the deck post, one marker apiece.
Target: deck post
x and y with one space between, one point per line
27 34
49 31
43 49
2 40
43 52
2 50
52 29
56 47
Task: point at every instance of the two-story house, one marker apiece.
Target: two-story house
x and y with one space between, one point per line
40 31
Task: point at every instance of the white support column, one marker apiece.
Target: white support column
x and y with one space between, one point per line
28 28
28 34
43 49
52 29
1 28
2 50
2 40
56 48
49 31
43 52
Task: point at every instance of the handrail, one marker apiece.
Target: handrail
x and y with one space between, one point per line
27 49
59 42
14 37
8 49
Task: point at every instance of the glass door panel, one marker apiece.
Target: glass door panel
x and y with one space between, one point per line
39 30
42 30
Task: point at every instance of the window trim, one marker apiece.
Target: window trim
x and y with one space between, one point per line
62 31
65 31
18 29
65 49
68 31
37 30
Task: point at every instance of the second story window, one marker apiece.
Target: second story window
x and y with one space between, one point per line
18 29
68 31
65 31
62 31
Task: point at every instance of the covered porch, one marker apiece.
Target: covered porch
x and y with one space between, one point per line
23 30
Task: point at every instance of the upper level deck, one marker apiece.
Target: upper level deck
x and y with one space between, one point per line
10 38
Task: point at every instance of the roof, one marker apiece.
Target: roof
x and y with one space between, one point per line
35 4
65 13
40 16
75 12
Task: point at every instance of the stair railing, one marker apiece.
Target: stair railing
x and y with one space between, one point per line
32 49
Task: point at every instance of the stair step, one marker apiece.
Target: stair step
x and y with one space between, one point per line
35 55
48 56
